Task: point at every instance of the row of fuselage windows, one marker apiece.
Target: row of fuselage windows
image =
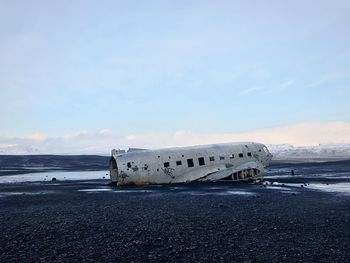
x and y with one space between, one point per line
201 160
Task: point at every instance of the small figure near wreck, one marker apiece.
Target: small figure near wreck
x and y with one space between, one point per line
292 172
217 162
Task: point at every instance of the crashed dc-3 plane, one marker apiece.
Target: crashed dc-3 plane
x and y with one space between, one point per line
216 162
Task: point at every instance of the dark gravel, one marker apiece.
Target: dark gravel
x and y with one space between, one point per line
54 222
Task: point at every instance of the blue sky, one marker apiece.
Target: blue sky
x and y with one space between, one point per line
150 67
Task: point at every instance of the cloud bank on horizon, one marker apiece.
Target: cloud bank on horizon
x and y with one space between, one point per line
103 141
160 73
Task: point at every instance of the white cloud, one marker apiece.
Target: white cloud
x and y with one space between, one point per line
329 78
36 136
303 134
251 90
283 86
105 131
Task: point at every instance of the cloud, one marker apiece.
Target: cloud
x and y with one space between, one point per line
329 78
303 134
105 131
283 86
36 136
251 90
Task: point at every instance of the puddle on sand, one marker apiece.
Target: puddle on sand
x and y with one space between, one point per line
96 190
343 188
4 194
111 190
133 191
239 193
219 193
274 187
175 188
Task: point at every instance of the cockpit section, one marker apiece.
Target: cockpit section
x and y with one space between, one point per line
267 156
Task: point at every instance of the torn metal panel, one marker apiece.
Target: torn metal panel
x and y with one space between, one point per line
246 171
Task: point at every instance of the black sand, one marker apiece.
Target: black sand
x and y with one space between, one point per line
55 222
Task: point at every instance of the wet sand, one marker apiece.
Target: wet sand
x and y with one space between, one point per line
90 220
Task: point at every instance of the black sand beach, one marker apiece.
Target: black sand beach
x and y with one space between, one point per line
90 220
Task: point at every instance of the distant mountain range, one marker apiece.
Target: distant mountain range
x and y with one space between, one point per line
322 151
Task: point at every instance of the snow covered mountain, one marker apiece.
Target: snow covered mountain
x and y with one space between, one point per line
18 149
322 151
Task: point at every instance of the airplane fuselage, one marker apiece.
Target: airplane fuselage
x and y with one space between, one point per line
216 162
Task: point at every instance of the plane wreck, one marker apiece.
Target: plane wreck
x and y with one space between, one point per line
217 162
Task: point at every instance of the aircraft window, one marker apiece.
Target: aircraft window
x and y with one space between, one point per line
169 157
222 158
167 164
240 155
259 150
129 165
190 162
145 166
178 163
232 156
201 161
158 156
211 158
249 154
183 155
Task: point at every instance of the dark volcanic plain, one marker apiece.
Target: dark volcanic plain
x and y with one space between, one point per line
74 221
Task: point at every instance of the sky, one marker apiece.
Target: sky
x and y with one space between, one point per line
88 76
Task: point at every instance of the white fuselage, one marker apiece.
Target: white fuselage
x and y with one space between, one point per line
229 161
